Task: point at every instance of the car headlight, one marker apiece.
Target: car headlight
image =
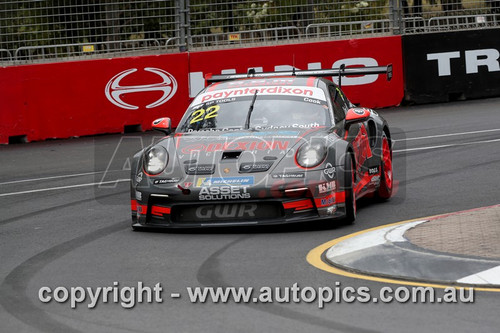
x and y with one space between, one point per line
311 155
155 160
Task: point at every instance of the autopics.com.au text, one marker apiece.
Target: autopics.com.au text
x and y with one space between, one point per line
129 296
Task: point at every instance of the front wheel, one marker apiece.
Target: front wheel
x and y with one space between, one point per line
350 195
386 177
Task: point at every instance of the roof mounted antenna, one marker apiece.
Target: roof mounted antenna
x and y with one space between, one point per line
293 65
341 73
251 72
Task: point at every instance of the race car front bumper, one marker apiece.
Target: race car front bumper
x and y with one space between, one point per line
160 213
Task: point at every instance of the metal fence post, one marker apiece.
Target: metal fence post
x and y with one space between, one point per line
395 6
395 16
187 31
182 9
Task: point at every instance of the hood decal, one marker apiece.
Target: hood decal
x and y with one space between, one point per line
237 145
254 151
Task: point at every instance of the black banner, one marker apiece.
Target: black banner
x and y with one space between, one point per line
441 67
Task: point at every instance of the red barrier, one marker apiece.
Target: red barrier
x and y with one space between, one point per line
68 99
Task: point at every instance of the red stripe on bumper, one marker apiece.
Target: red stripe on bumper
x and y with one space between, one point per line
299 205
159 211
142 209
339 197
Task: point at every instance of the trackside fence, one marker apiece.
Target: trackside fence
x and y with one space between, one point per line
33 31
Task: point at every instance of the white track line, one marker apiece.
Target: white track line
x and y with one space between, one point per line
450 134
390 234
63 187
446 146
358 243
396 235
55 177
489 276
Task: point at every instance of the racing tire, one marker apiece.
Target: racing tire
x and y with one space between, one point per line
350 195
384 191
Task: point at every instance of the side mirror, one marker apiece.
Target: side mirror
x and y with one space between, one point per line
356 115
163 125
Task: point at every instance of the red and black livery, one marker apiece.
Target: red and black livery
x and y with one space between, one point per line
264 148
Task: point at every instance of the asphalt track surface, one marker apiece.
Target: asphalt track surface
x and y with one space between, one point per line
59 229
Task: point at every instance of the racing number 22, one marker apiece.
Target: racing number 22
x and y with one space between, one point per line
202 114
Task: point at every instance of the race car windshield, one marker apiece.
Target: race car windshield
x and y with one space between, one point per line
268 112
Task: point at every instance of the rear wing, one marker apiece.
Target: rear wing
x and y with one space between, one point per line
341 71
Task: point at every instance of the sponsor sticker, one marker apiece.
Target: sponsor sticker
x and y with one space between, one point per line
327 187
288 175
211 181
293 91
138 195
200 169
301 126
255 167
327 201
375 180
373 171
224 193
166 181
329 171
271 134
138 178
246 167
244 210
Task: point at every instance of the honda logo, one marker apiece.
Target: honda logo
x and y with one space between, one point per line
114 91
